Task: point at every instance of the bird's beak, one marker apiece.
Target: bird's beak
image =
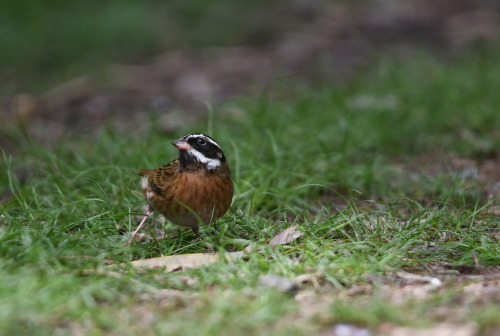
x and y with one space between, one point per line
181 144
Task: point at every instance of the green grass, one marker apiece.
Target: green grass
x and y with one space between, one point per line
70 207
46 42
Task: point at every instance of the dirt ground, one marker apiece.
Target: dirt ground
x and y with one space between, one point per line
329 42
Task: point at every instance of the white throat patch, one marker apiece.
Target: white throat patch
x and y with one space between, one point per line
211 163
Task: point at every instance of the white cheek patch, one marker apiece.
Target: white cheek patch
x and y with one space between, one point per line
211 163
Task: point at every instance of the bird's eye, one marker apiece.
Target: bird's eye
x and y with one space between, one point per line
201 141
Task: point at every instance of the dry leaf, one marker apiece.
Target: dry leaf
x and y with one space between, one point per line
286 236
183 261
312 278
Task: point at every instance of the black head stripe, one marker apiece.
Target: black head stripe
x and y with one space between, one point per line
208 147
202 136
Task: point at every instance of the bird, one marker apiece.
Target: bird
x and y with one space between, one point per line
196 188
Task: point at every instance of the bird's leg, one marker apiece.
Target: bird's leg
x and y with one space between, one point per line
197 232
150 211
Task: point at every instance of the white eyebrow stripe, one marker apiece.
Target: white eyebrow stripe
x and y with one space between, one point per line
211 163
200 135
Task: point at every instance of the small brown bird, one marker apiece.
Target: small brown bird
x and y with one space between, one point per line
195 188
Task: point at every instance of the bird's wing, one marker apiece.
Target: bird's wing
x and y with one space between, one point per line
159 176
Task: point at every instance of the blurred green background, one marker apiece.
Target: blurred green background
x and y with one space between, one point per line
43 42
85 64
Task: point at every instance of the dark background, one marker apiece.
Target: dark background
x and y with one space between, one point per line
79 65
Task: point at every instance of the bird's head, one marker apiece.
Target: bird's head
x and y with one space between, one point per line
200 149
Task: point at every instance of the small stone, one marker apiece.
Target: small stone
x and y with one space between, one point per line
278 283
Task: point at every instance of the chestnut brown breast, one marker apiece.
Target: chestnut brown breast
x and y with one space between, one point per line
190 197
